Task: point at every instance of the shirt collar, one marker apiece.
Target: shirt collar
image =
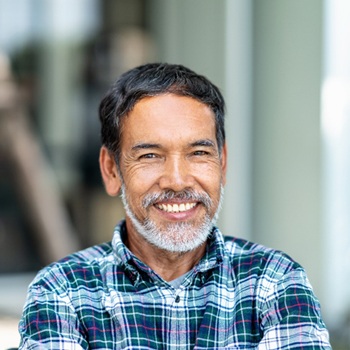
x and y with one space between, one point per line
213 257
214 254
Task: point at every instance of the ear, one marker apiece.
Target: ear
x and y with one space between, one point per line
109 172
224 163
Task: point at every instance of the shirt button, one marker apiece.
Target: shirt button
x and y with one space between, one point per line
177 299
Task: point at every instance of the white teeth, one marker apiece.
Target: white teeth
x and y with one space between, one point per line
175 208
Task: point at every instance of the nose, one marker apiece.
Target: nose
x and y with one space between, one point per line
176 174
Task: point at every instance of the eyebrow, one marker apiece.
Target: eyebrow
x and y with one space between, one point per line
203 143
144 145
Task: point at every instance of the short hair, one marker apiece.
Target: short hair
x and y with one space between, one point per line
151 80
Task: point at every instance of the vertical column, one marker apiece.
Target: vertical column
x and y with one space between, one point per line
286 130
236 214
336 163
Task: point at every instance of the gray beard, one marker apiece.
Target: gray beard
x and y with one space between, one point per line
174 237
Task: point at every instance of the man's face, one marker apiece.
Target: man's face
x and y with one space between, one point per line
172 171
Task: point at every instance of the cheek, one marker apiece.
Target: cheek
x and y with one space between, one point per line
139 179
136 190
209 176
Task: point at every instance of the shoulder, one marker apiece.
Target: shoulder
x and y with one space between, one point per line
270 273
82 267
91 255
248 258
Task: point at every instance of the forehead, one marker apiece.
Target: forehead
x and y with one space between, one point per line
171 116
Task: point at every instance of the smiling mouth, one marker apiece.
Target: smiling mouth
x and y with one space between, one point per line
176 208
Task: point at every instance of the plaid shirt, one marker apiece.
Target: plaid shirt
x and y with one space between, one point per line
240 296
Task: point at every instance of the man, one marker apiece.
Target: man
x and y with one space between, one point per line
169 279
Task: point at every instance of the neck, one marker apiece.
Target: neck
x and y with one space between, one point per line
168 265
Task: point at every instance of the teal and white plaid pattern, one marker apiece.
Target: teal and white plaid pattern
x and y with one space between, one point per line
240 296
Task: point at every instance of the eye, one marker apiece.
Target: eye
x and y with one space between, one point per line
148 156
200 153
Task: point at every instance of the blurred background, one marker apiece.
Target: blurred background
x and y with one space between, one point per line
284 69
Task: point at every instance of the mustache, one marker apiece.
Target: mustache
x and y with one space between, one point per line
186 194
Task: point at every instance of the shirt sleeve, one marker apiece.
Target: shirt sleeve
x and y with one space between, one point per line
291 317
49 321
